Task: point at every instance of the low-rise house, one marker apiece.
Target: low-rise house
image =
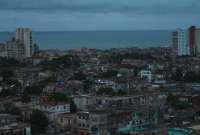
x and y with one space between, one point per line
83 122
27 76
133 62
49 89
25 109
101 122
143 120
105 83
146 74
67 121
86 101
10 126
53 108
159 77
83 101
45 75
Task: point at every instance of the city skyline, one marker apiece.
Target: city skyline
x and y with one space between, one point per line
86 15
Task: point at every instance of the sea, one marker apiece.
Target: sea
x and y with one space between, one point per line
65 40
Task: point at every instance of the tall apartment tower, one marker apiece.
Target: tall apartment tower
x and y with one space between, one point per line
25 36
197 41
192 40
180 44
175 43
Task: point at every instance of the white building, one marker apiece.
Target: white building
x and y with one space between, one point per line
83 101
146 74
53 109
183 48
25 36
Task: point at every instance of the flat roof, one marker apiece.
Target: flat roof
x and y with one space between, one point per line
195 127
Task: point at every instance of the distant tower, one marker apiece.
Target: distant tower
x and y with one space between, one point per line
25 36
175 43
180 44
192 40
197 41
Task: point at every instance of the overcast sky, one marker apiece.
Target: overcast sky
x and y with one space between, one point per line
52 15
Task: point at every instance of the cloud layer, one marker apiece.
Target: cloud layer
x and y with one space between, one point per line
99 14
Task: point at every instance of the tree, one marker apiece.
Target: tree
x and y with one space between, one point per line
33 90
172 99
7 92
109 74
11 109
177 104
73 107
25 98
178 75
79 76
60 97
192 77
9 63
39 122
65 61
6 73
105 91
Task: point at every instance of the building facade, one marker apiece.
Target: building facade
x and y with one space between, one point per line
15 49
175 43
25 36
191 40
180 43
3 52
183 48
197 40
10 126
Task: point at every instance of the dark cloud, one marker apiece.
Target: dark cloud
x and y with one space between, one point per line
98 14
136 6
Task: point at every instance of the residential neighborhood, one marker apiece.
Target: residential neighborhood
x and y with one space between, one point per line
119 91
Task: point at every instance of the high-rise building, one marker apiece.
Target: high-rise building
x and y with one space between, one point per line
197 41
3 50
180 45
175 43
15 49
25 36
192 40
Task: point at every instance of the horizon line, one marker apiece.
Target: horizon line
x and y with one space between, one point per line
91 30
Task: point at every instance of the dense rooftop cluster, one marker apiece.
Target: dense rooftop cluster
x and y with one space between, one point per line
90 91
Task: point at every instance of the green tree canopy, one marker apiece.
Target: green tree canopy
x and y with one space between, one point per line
105 91
65 61
33 90
38 121
60 97
109 74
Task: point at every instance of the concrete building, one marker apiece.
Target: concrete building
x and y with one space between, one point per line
67 121
183 48
197 41
146 74
192 40
3 52
180 42
175 43
10 126
25 36
21 46
52 108
83 101
15 49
